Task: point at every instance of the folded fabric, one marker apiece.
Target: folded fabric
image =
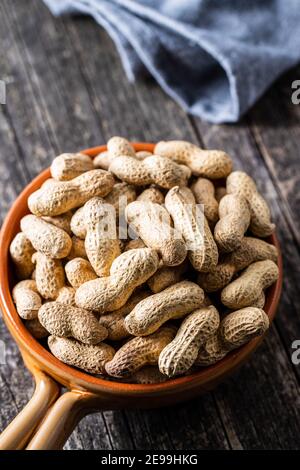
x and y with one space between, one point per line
215 58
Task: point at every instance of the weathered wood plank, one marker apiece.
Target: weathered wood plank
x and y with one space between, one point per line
275 123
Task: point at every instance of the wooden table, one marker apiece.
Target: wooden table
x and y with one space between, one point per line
66 90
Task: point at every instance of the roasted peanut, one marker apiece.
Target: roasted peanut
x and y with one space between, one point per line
236 329
101 245
66 295
130 270
151 194
212 351
36 329
242 325
192 224
152 223
66 195
248 287
166 276
179 355
79 271
174 302
115 322
115 146
90 358
46 238
142 154
21 251
212 164
251 250
68 166
77 223
103 160
67 321
139 352
133 244
27 299
49 275
152 170
204 193
148 375
61 221
234 221
120 146
241 184
219 193
78 249
121 195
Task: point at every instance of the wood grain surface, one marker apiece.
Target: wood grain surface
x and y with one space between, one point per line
66 90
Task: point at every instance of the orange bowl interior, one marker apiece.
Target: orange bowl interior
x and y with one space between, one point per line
70 376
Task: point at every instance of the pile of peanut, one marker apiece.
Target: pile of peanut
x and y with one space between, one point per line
179 290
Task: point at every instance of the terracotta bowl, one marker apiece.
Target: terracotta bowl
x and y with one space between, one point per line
49 418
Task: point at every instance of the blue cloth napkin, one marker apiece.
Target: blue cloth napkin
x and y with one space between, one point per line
214 57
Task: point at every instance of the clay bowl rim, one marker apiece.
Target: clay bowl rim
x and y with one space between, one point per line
71 375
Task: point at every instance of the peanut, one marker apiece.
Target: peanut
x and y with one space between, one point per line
66 195
90 358
67 321
174 302
36 329
67 166
241 184
21 251
119 146
151 194
133 244
101 246
49 275
115 322
121 195
212 164
79 271
234 221
152 170
166 276
152 223
179 355
204 193
212 351
103 160
128 271
248 287
148 375
239 327
27 299
77 223
78 249
260 301
61 221
141 154
66 295
236 329
46 238
192 224
116 146
251 250
139 352
219 193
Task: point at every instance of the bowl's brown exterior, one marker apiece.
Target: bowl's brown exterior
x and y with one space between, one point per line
115 394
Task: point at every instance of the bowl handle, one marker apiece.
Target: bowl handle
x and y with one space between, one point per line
19 431
62 418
